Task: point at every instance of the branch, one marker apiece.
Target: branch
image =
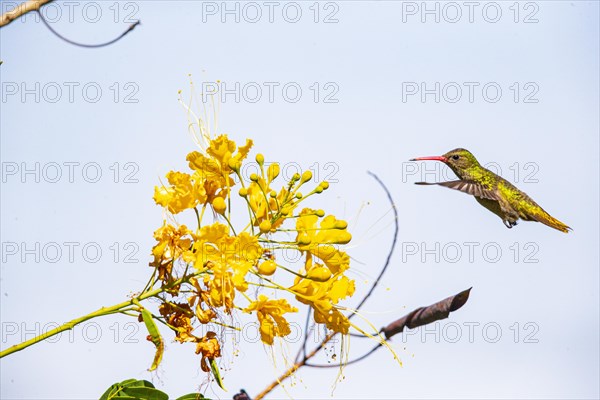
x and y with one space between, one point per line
392 247
20 10
419 317
117 308
294 367
125 32
34 5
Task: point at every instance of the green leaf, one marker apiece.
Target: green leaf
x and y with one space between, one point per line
215 371
155 337
192 396
142 390
136 383
145 393
108 392
134 389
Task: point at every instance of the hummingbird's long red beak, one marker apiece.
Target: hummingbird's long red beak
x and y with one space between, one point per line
430 158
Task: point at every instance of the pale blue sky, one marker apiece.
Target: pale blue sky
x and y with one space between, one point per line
368 61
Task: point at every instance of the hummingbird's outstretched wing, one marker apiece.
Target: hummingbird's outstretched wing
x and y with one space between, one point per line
469 187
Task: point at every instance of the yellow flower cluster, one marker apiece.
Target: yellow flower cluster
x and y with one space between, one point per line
218 263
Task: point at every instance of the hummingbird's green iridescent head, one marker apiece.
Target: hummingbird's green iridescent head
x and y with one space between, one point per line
461 161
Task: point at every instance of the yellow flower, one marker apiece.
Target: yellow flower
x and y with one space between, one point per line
178 315
198 297
220 287
215 182
336 260
333 319
270 316
215 165
323 296
221 149
183 192
205 316
223 262
248 254
319 241
210 349
172 244
331 230
206 168
229 258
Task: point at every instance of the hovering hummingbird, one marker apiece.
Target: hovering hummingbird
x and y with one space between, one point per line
492 191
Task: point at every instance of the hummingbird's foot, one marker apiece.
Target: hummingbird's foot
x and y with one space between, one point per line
509 224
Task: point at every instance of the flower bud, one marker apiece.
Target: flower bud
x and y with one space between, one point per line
234 164
319 274
267 267
341 225
273 171
243 192
219 205
320 213
265 226
260 159
306 176
325 185
254 177
298 195
304 240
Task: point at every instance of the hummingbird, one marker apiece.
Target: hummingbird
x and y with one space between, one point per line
492 191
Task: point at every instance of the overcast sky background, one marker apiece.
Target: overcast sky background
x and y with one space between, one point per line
531 326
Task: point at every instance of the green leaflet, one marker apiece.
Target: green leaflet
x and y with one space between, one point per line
155 337
215 371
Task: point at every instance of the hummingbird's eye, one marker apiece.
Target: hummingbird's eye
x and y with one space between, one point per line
455 157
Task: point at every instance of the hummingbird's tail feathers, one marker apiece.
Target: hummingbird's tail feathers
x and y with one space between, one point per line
468 187
547 219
